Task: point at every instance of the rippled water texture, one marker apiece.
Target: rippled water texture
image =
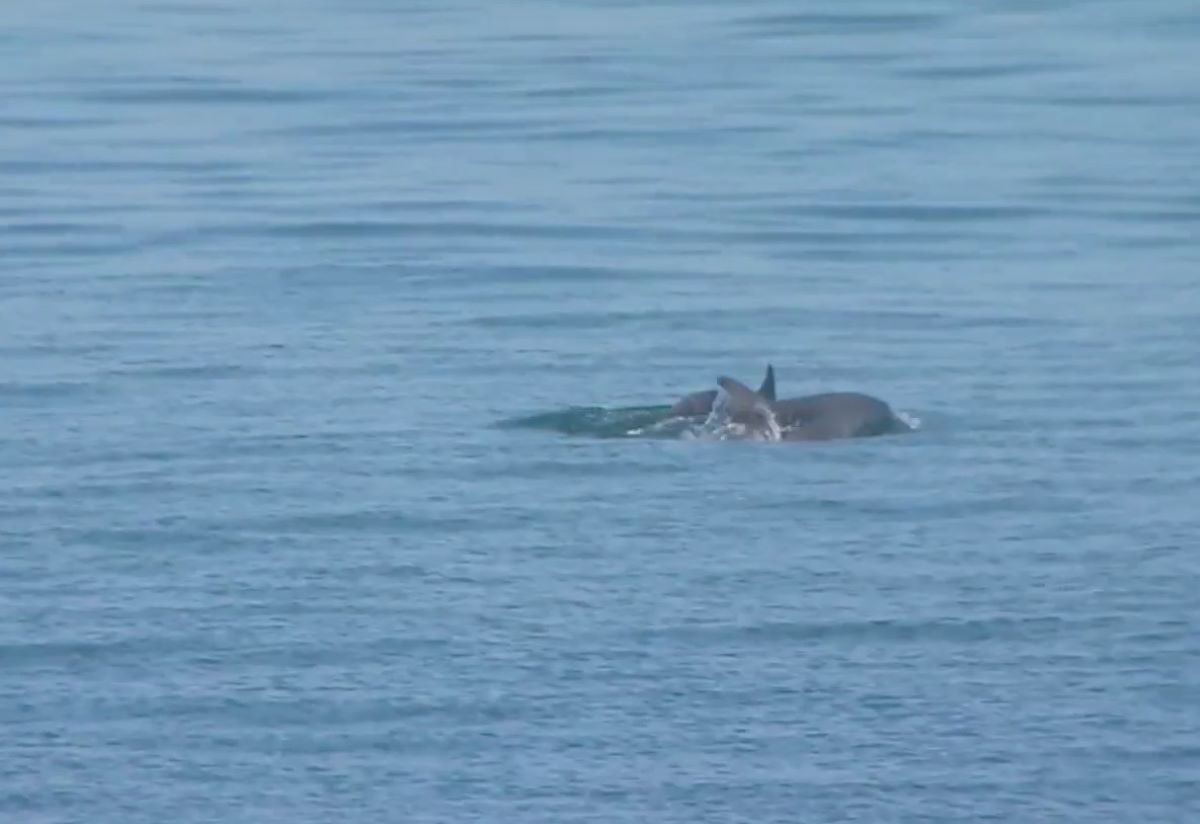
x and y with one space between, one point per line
279 277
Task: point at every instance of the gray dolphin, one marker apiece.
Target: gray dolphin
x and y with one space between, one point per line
700 404
820 417
832 415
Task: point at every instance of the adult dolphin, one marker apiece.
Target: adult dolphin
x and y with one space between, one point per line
700 404
832 415
821 417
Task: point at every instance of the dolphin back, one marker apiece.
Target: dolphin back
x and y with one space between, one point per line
836 415
694 405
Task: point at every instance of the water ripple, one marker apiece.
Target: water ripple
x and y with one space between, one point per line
301 304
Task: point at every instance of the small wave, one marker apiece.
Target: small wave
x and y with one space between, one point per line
672 427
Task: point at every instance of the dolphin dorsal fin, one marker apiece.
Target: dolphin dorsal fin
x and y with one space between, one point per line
767 390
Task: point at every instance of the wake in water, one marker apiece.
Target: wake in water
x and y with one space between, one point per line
599 422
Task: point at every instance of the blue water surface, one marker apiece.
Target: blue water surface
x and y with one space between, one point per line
274 277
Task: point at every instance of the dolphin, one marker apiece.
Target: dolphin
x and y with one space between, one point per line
832 415
700 404
821 417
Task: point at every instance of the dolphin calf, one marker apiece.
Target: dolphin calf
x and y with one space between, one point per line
700 404
742 411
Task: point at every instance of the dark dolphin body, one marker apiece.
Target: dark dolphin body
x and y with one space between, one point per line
835 415
699 404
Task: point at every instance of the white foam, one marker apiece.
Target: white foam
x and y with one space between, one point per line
912 421
718 426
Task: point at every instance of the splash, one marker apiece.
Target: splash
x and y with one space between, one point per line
721 425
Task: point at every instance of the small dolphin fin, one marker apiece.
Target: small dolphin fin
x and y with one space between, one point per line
767 390
743 398
744 406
